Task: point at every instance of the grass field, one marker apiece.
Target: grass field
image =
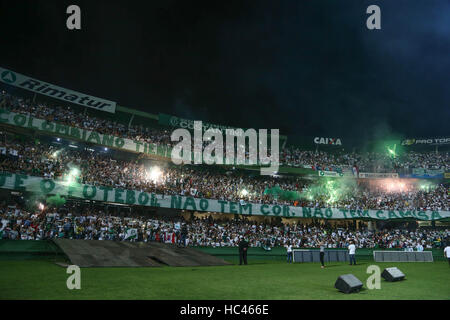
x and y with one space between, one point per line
43 279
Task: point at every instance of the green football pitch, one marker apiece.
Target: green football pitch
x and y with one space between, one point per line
262 279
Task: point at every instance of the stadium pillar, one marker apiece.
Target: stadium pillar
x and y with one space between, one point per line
371 226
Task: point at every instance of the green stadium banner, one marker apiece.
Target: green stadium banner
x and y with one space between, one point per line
46 187
27 121
173 121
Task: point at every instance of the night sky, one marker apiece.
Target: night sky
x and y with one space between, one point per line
309 68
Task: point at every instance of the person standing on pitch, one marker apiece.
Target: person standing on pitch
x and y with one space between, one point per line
184 234
243 246
322 254
289 252
447 253
351 253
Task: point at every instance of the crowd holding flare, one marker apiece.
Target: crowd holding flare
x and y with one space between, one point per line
395 185
155 174
212 182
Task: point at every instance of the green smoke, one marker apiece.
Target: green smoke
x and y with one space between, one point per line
281 194
56 200
328 190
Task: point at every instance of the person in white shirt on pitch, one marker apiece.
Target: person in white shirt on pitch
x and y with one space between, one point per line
289 252
351 253
447 253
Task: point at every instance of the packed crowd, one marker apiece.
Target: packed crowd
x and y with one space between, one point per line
49 223
292 156
366 161
209 182
70 117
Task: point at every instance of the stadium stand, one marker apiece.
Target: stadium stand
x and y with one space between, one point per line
290 156
205 182
39 155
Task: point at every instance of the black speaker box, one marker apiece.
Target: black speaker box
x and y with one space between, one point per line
392 274
348 283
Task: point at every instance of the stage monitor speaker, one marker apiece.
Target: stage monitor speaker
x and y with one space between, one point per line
392 274
348 283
